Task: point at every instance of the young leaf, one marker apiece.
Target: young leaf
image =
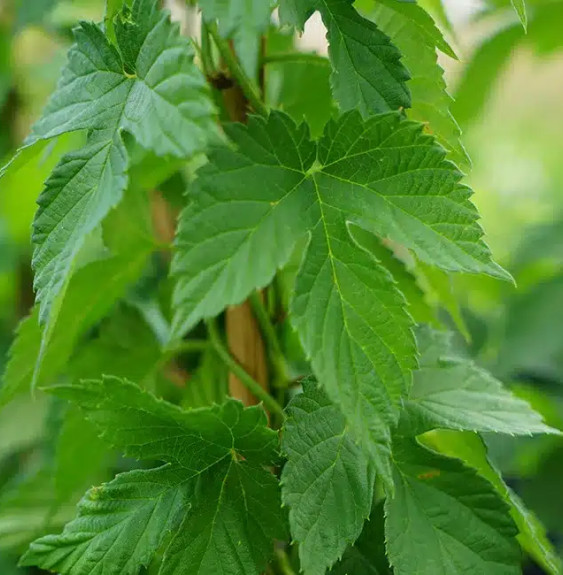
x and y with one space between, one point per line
327 481
244 22
217 456
454 393
164 106
444 519
367 73
119 527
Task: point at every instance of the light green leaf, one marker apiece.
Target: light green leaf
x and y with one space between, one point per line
367 72
471 449
481 72
327 481
412 30
445 519
166 108
383 174
119 527
454 393
420 20
243 21
235 518
520 7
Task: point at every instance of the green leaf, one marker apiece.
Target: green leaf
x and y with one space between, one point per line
30 13
454 393
383 174
165 107
367 556
327 481
84 306
225 224
243 21
419 308
217 456
413 31
445 519
305 92
520 7
471 449
235 518
145 427
119 527
367 72
76 467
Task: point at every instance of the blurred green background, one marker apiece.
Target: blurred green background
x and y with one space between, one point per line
507 87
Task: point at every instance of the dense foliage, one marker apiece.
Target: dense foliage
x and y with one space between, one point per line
243 348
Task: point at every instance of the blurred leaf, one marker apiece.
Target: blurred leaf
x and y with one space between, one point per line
84 306
305 93
454 393
26 511
532 344
445 518
16 437
520 7
470 448
80 454
479 76
209 383
30 12
124 346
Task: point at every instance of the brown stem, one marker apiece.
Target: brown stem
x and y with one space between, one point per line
243 334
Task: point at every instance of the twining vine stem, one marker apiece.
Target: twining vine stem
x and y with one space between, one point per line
247 86
275 352
247 380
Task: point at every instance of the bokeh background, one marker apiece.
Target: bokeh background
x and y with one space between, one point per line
507 87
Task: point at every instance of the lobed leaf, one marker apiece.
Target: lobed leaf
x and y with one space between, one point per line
215 502
382 174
